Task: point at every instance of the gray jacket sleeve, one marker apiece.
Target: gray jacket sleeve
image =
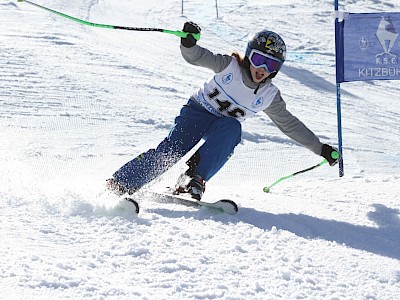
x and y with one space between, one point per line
291 126
202 57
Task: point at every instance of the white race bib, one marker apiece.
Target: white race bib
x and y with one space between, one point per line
226 95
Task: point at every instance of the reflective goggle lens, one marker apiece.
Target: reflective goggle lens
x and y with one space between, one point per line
271 64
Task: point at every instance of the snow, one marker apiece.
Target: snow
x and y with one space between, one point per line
77 102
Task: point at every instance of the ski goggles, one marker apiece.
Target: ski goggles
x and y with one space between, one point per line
262 60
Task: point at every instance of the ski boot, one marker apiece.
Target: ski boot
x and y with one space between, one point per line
192 183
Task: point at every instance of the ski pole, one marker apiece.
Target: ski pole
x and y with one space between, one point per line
267 189
174 32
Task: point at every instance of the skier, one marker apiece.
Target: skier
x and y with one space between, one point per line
240 88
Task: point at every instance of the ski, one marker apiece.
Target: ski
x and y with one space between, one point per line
223 205
134 203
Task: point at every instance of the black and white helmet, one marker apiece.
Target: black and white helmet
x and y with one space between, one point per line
267 42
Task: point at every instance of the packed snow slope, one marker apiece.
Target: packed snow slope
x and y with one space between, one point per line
77 102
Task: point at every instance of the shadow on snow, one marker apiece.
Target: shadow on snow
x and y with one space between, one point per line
383 240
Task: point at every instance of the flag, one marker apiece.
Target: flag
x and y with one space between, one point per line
368 47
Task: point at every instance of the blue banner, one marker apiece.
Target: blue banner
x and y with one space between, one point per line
369 47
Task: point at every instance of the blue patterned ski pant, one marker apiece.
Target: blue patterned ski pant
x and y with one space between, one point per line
221 135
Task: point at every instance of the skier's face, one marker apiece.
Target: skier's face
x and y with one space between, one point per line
258 74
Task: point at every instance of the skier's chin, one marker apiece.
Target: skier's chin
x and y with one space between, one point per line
258 80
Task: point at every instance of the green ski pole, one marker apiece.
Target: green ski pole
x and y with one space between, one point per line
174 32
267 189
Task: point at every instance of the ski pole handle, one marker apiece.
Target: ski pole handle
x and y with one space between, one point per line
182 34
335 155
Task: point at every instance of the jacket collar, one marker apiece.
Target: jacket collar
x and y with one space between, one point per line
248 81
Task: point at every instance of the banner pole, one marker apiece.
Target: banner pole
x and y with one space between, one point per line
338 101
339 123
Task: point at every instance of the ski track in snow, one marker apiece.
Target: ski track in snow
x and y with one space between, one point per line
77 102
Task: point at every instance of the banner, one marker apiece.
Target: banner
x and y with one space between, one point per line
368 47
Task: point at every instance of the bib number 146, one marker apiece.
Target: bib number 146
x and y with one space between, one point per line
225 105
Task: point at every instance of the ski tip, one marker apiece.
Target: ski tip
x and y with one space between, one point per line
231 207
134 203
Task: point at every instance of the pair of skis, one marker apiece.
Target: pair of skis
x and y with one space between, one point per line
224 205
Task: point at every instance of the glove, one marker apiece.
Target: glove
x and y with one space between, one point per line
327 153
190 41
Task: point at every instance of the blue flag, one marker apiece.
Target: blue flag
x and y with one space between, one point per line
368 47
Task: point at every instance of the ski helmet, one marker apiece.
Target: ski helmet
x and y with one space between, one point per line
269 43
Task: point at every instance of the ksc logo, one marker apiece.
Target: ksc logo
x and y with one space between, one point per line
387 37
227 79
258 102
